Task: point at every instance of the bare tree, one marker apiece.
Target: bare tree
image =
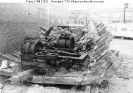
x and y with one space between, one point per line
76 18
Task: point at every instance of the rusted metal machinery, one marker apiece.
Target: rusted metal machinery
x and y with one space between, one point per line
68 59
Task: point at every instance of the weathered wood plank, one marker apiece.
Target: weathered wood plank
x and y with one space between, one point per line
21 77
101 50
104 56
104 39
12 58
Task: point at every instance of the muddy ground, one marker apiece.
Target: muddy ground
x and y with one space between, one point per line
121 82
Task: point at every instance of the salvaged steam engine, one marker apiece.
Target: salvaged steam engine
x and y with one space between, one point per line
63 52
65 56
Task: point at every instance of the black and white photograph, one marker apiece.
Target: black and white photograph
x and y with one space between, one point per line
66 46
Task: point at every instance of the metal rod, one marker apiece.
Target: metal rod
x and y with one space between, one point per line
124 15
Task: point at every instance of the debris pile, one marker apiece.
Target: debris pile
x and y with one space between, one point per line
69 58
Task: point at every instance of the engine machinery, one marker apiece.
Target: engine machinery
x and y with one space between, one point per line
66 56
65 52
